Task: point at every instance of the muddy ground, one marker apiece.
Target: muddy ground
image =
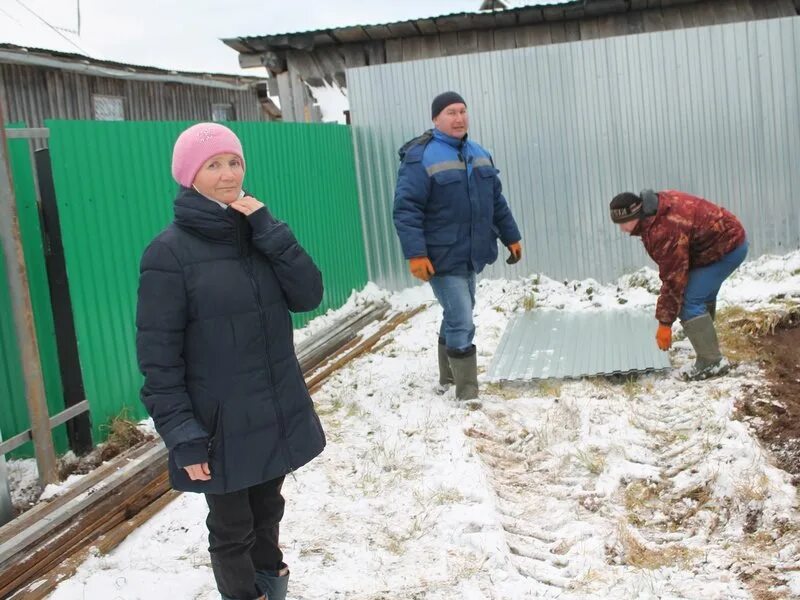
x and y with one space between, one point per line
774 411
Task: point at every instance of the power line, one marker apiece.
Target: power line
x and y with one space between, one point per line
56 29
10 16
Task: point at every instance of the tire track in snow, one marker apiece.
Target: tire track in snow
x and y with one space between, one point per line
601 488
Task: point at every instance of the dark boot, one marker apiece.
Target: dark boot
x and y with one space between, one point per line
445 373
703 336
273 584
465 372
712 309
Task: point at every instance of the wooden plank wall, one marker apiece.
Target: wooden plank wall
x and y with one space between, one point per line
32 94
546 26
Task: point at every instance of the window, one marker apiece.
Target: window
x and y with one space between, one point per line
109 108
222 112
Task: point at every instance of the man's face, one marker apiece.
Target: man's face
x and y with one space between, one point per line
628 226
453 120
220 178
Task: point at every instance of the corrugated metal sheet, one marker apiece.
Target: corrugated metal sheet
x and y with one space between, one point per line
711 110
13 405
115 191
557 344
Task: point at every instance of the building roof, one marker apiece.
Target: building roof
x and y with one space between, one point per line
12 53
511 17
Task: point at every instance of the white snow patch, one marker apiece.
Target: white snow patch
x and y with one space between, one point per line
550 490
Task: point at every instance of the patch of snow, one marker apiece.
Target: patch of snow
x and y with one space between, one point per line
581 489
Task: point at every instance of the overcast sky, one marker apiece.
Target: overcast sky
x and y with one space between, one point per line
184 34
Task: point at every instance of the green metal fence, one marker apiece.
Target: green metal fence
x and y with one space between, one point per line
114 192
13 407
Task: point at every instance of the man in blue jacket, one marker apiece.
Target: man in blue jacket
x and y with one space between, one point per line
449 211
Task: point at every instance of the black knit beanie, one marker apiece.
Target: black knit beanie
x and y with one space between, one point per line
444 100
625 207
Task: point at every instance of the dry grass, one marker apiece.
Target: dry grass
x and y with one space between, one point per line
441 496
602 384
591 460
354 410
632 388
753 489
648 504
397 541
504 391
736 328
123 433
529 302
641 495
550 388
636 554
335 405
558 424
586 581
698 498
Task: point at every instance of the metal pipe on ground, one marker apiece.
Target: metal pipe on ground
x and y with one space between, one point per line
312 352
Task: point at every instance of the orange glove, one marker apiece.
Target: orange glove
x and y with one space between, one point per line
516 253
421 267
664 336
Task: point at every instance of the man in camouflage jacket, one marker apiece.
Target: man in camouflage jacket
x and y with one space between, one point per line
696 245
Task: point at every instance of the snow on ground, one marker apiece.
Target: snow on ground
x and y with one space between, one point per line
23 482
584 489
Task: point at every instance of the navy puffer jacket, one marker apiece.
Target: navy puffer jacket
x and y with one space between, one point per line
214 342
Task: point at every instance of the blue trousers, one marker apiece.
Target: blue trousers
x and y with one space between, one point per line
456 294
704 282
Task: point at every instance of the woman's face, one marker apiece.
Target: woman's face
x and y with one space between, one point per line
220 178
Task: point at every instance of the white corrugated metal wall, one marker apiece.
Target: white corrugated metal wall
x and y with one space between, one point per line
714 111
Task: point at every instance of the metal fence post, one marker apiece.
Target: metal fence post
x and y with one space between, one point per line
23 321
7 511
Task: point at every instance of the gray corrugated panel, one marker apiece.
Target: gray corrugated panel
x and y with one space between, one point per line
558 344
710 110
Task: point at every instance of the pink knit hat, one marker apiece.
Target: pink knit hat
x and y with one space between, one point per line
199 143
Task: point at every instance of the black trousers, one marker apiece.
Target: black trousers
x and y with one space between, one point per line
243 532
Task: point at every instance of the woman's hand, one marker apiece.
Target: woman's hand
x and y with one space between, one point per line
199 472
247 205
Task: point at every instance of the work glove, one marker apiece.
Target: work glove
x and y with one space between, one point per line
515 255
664 336
421 267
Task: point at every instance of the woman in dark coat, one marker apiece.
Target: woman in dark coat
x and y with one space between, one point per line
214 342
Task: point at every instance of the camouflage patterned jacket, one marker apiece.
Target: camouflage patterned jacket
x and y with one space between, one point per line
685 233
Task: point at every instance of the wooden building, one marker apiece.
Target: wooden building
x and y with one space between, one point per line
295 61
41 84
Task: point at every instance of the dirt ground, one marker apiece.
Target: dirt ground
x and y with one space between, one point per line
774 411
